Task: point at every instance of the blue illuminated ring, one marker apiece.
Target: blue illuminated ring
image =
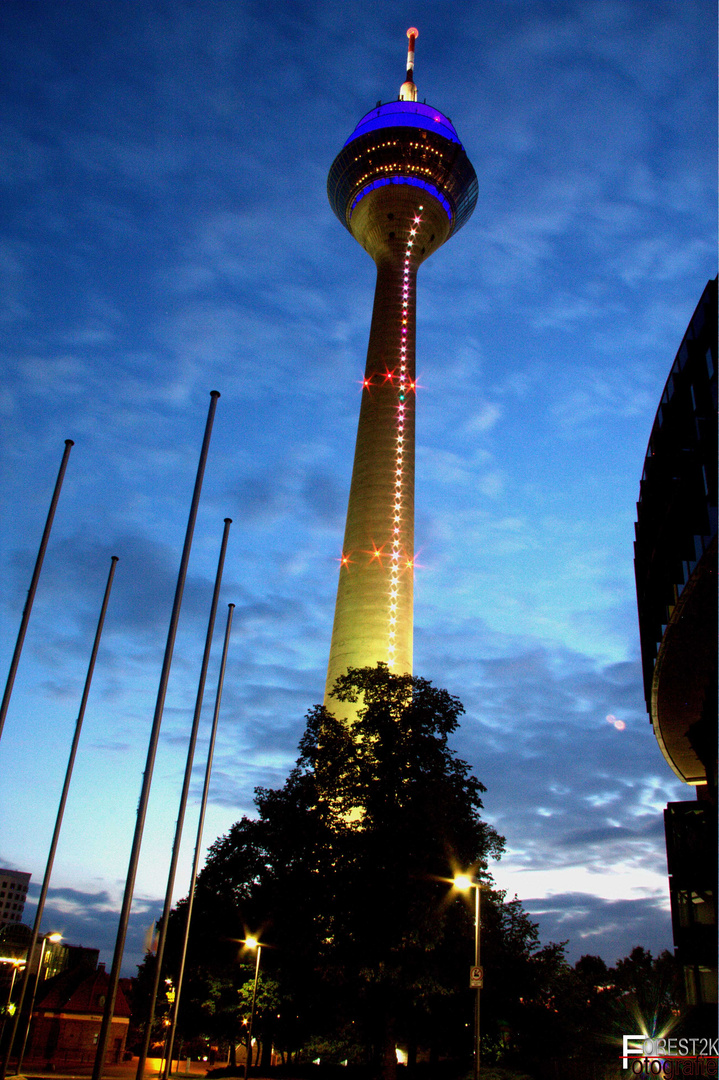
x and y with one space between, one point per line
412 181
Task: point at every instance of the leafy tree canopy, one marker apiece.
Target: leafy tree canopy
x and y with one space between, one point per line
345 873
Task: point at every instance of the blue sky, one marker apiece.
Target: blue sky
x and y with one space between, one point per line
166 232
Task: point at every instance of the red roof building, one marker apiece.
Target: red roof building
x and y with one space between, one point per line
67 1018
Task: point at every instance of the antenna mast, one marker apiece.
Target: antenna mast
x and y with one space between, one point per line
408 91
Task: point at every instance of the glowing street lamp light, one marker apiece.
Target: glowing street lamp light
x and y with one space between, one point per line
252 943
9 1007
463 882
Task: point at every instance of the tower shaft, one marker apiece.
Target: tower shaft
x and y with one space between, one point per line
399 226
373 614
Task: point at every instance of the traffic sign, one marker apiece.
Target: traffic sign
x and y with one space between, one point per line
476 978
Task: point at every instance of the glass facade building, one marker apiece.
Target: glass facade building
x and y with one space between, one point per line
675 561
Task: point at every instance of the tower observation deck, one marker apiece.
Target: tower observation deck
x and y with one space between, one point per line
402 185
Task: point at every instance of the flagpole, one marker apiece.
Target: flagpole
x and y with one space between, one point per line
183 806
104 1036
198 844
58 826
33 586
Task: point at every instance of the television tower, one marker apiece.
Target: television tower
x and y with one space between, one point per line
402 185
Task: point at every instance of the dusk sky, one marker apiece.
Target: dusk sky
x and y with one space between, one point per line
166 232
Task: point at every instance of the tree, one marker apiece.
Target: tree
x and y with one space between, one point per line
417 811
650 990
575 1020
345 874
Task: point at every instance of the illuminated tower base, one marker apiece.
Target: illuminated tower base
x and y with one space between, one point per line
402 185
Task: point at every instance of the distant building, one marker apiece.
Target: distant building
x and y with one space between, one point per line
15 941
68 1013
13 893
675 562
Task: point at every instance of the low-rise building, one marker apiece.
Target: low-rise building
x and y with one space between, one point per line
67 1017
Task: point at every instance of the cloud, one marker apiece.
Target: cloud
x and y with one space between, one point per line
323 496
143 587
484 419
536 723
598 927
91 919
13 271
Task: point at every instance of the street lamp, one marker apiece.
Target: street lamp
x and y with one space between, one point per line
252 943
463 882
53 939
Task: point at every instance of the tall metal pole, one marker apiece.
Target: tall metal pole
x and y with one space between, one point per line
248 1055
60 815
104 1035
33 586
198 845
183 805
478 991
